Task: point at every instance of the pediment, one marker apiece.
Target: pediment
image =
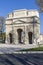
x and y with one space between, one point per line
18 21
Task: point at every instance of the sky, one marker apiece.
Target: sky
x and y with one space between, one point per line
7 6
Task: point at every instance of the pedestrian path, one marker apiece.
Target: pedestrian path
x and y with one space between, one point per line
11 48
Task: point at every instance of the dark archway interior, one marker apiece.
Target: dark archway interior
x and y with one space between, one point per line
19 35
11 37
30 37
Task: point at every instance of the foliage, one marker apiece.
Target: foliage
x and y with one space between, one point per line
40 4
34 49
2 37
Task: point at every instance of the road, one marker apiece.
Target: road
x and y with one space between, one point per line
21 59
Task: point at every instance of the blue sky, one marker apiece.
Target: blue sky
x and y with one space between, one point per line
7 6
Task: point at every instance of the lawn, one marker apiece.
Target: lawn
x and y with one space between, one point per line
34 49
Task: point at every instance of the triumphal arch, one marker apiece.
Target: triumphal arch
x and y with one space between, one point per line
23 27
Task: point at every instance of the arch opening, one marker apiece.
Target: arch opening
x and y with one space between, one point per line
11 37
19 35
30 37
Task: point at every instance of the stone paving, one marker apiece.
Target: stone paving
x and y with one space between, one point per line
11 48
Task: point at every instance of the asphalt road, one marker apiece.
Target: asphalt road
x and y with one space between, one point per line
21 59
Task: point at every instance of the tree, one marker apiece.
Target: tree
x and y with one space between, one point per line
2 27
40 4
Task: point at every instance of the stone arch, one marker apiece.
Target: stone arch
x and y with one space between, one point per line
30 37
19 31
11 37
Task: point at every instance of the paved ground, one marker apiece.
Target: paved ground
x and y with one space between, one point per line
21 59
10 48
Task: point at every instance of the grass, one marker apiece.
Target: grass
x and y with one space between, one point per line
34 49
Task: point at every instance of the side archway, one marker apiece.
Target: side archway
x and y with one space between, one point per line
11 37
30 37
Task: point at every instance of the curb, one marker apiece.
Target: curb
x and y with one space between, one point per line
22 52
29 52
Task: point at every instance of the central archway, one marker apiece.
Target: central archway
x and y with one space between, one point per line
19 35
30 37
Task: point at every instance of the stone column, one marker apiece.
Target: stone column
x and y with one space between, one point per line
23 37
15 37
26 36
7 40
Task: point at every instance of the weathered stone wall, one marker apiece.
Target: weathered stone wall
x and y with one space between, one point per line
41 38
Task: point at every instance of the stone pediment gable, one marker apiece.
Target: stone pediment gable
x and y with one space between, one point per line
18 21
